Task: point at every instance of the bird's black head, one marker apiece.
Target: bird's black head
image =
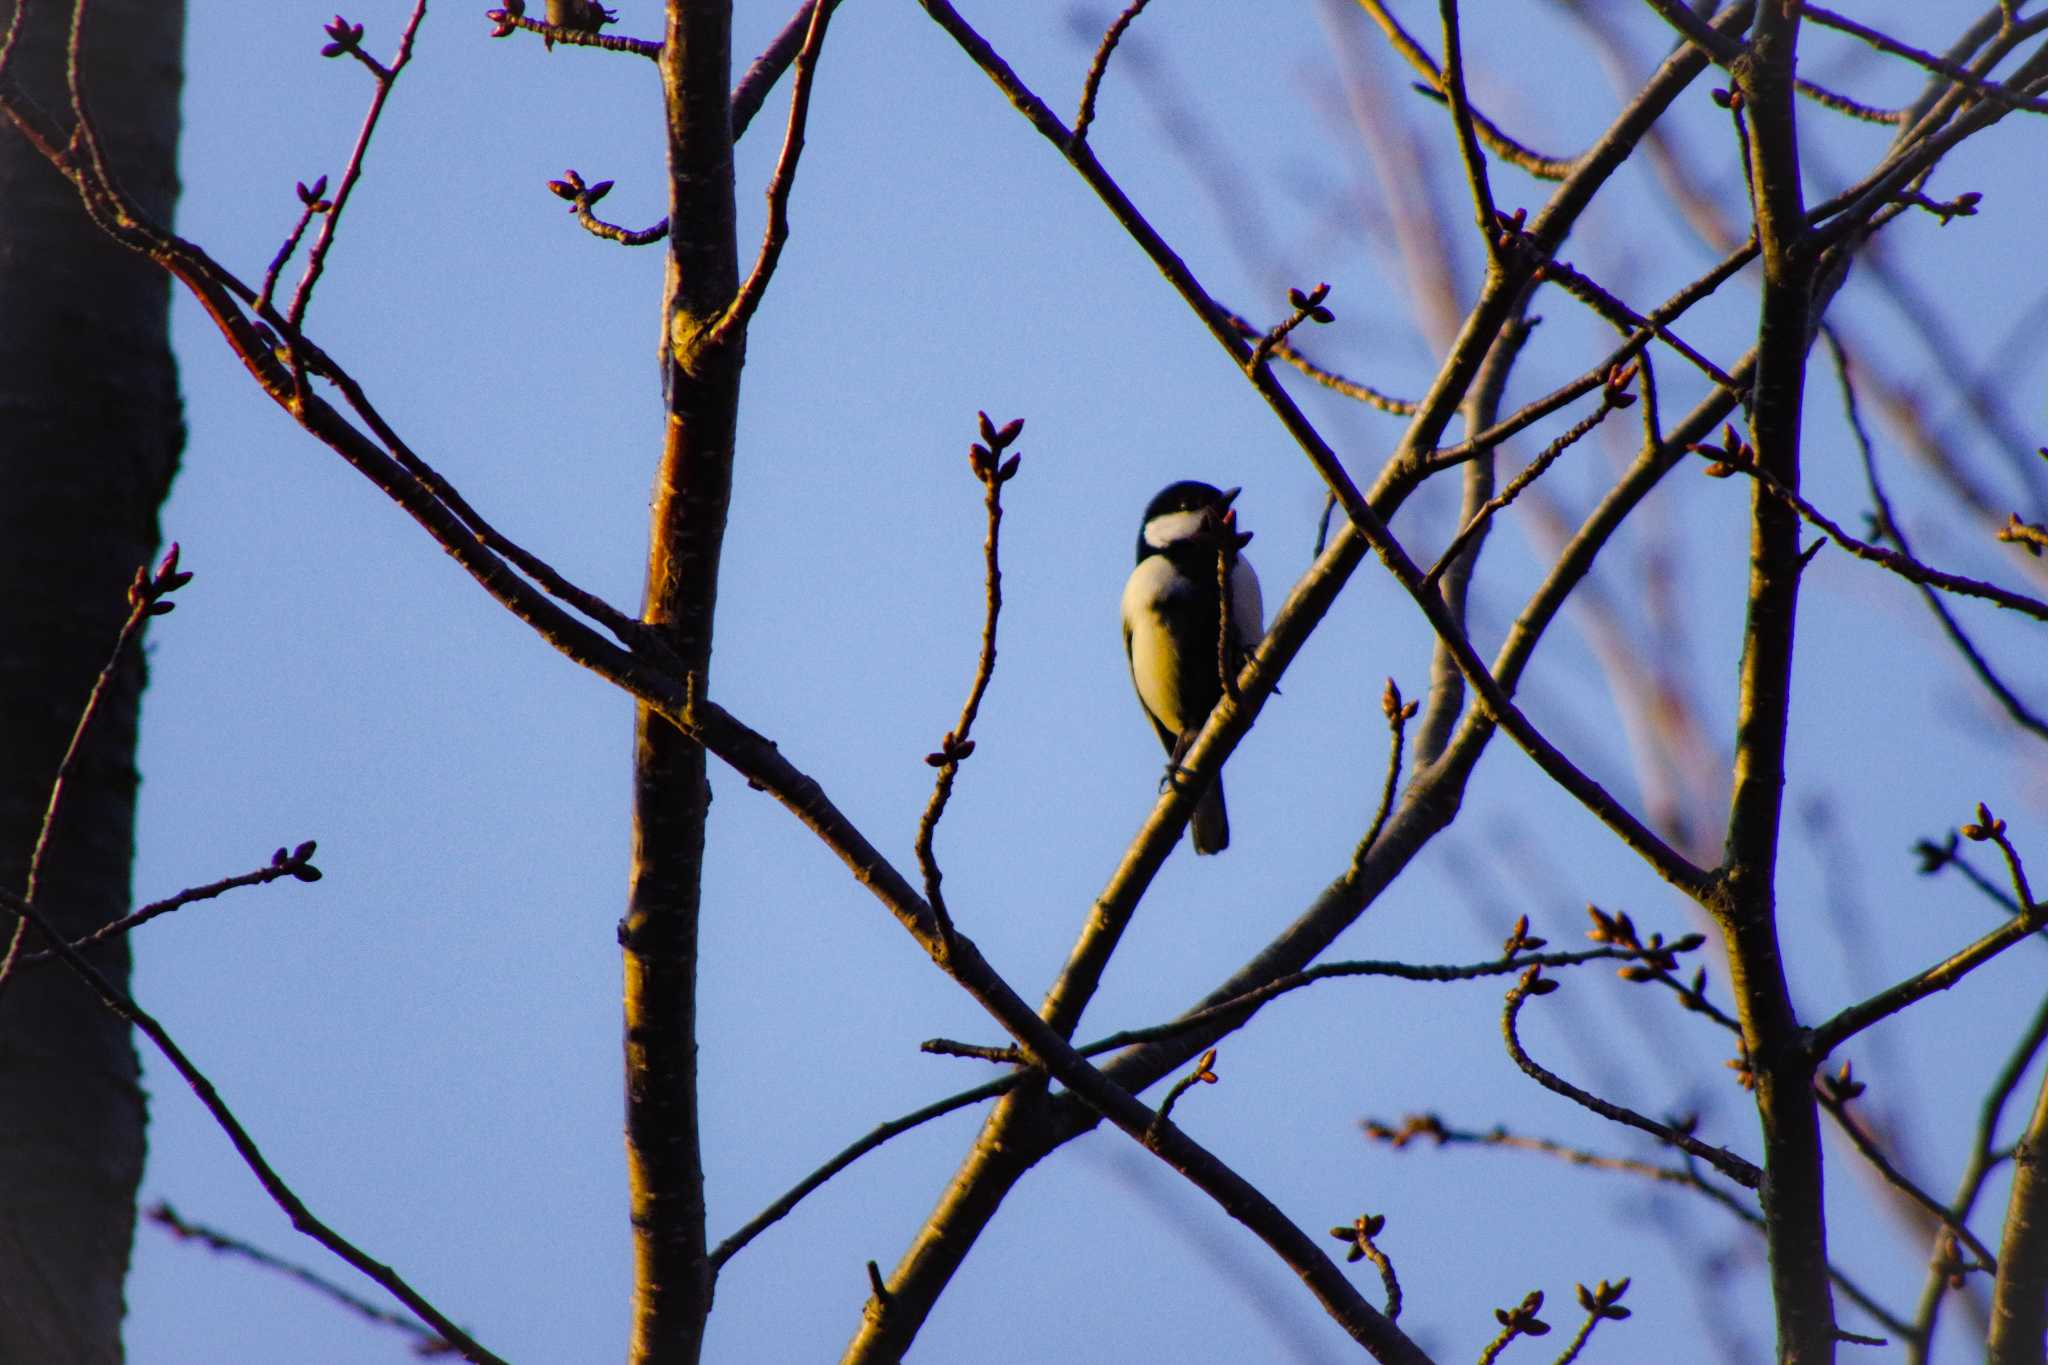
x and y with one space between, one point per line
1189 495
1182 512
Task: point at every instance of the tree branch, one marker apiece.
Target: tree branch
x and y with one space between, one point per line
303 1219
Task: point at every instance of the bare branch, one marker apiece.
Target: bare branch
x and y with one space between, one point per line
245 1146
1361 1234
1961 75
1889 528
1720 1158
1484 212
1398 714
1417 1126
581 196
2019 1310
148 595
1855 109
1826 1037
296 864
1505 147
1099 66
1905 566
874 1138
752 91
508 20
426 1342
1329 379
743 304
1614 395
1834 1093
993 471
1716 44
386 77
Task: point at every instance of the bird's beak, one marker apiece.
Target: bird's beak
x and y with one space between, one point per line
1229 496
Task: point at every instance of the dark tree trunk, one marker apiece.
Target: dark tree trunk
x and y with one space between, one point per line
90 430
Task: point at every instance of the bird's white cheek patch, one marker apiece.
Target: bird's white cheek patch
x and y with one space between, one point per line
1170 527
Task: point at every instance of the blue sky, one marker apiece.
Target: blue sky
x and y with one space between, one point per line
426 1042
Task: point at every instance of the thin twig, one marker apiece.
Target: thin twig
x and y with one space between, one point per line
426 1342
1615 397
1203 1074
613 232
1720 1158
1468 140
1518 1321
146 594
1687 1176
853 1152
1502 143
13 35
1401 971
1856 109
1307 307
1985 1159
1961 75
1599 1305
1361 1235
1008 1054
281 1194
1625 319
1890 529
1846 1024
296 864
582 196
1866 1146
1329 379
1905 566
312 203
1507 148
741 309
989 466
1664 313
572 37
752 91
1098 67
1398 714
386 77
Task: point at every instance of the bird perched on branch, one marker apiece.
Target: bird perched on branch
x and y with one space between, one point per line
1188 546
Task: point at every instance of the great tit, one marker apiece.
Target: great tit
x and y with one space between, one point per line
1171 626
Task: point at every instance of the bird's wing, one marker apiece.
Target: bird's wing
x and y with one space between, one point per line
1247 608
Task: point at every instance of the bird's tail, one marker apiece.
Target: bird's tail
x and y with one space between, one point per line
1211 824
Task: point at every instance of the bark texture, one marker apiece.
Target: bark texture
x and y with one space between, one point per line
90 430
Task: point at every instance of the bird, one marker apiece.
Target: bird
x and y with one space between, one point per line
1172 627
